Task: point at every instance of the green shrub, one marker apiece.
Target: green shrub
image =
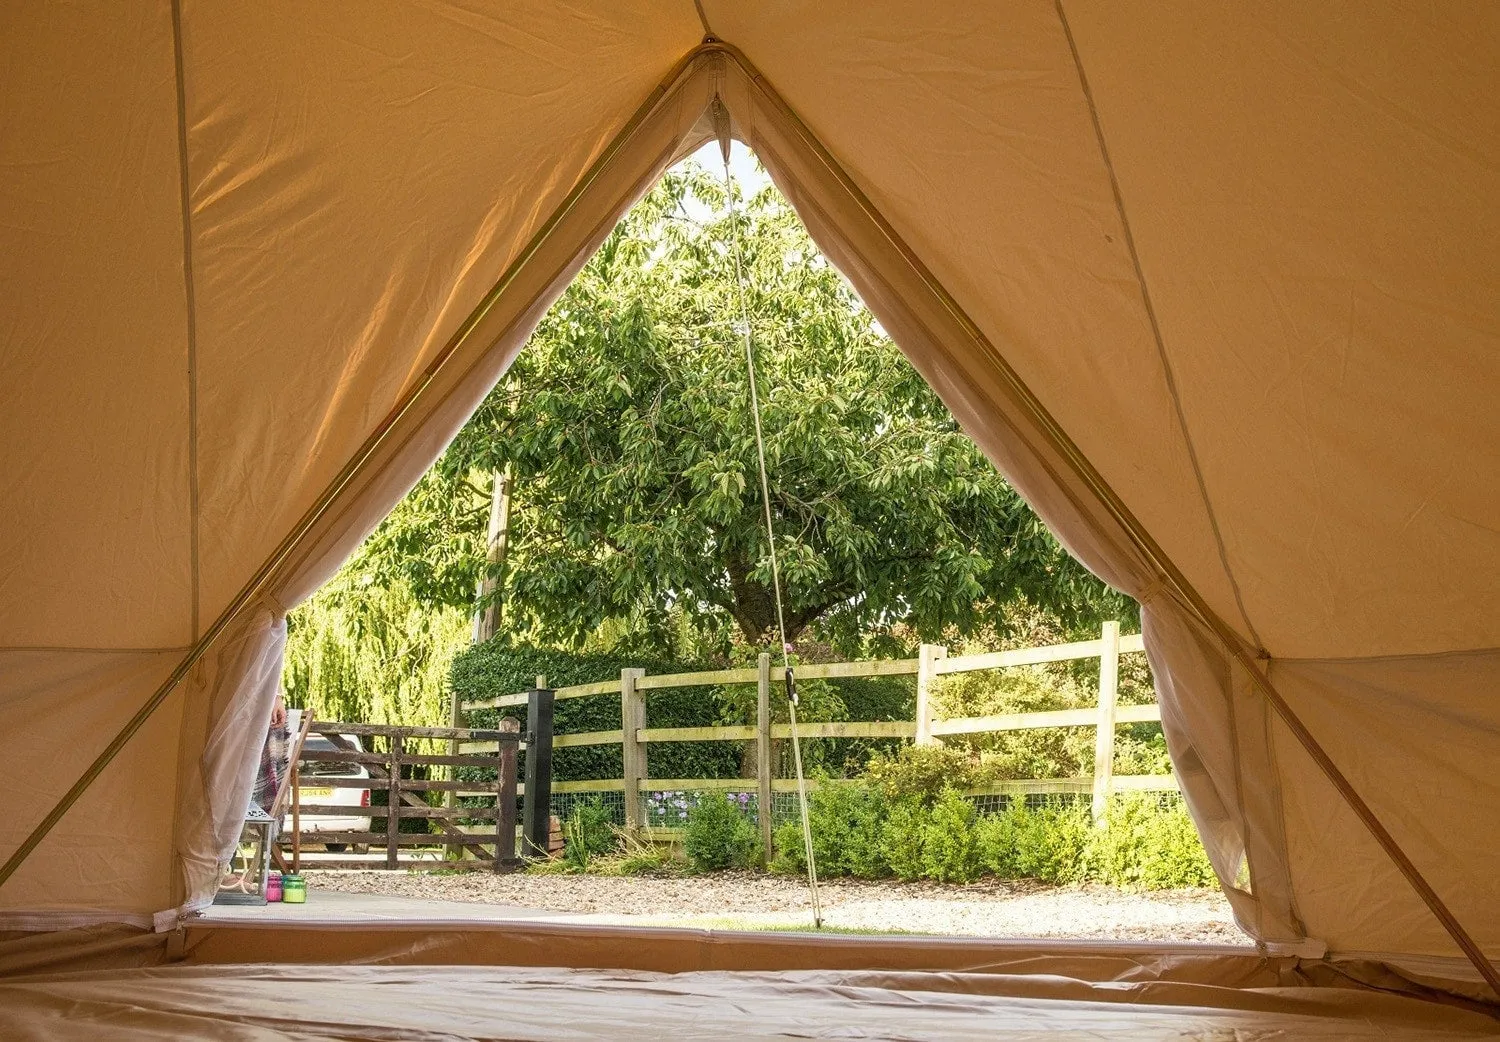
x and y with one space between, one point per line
588 832
923 772
847 820
905 832
1051 843
1148 846
718 836
790 857
866 855
859 831
998 839
1062 839
950 845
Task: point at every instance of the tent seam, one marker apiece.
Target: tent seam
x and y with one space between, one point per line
176 882
52 649
1414 656
185 187
1161 350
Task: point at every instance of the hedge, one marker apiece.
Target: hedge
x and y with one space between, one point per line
859 829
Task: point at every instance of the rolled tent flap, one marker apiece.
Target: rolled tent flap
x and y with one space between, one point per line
228 695
264 262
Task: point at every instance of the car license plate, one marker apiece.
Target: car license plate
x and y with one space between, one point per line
316 794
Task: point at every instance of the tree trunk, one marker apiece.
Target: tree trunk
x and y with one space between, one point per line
487 616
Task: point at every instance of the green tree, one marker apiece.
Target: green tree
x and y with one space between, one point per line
627 425
370 651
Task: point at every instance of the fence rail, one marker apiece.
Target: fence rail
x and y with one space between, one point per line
633 686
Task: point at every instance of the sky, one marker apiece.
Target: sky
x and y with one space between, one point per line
745 168
742 165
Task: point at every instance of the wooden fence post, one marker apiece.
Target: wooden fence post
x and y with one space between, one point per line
927 658
538 818
505 798
393 808
450 799
296 817
763 796
632 752
1104 730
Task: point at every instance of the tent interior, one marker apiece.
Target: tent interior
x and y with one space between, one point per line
1217 289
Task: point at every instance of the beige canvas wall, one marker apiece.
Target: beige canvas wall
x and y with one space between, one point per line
260 263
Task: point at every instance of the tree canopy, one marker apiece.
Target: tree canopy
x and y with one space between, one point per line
626 425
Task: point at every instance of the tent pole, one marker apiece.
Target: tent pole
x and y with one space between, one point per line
1168 574
353 469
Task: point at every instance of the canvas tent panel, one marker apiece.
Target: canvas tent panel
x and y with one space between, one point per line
358 185
330 277
110 855
95 539
1327 306
984 160
1418 737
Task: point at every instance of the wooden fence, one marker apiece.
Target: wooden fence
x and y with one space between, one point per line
633 687
405 774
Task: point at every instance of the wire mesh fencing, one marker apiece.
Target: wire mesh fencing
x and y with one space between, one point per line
565 803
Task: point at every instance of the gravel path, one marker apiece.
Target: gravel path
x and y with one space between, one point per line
749 900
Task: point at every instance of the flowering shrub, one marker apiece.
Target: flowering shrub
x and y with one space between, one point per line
671 809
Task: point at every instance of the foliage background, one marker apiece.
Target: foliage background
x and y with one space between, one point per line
626 428
637 540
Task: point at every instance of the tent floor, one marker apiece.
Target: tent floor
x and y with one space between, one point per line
509 980
460 1002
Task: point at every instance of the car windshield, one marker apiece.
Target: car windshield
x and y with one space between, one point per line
325 768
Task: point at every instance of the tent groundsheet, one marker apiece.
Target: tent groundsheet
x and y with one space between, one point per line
450 1003
520 981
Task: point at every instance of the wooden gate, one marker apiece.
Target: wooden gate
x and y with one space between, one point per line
400 763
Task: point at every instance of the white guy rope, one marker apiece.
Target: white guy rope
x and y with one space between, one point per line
765 498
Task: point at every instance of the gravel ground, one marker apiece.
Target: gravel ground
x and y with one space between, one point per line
747 900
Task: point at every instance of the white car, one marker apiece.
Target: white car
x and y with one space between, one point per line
311 772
